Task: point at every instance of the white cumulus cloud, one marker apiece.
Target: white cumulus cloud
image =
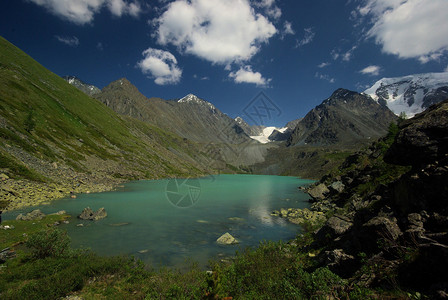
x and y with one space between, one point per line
71 41
271 9
408 28
371 70
246 75
161 65
82 11
219 31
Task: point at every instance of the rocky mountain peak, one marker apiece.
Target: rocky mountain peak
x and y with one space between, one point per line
410 94
191 98
88 89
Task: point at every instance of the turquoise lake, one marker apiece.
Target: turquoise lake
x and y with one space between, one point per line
171 222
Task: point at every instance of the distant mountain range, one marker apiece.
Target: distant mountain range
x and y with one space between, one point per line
190 117
410 94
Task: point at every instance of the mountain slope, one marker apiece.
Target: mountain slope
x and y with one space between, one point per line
190 117
346 118
51 132
410 94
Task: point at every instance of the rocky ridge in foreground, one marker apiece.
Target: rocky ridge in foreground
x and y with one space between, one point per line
387 216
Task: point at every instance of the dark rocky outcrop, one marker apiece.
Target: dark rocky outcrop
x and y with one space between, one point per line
89 214
391 221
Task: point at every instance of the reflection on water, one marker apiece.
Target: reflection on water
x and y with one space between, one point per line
144 220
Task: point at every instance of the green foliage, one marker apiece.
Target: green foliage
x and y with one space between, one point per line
49 243
29 122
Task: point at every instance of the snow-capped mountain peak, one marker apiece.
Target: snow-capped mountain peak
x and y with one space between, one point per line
410 94
190 98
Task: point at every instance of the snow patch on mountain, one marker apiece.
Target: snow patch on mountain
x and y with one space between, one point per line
264 137
410 94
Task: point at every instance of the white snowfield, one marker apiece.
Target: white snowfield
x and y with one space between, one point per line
264 137
400 92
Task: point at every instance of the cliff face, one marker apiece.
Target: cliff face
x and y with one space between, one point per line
390 224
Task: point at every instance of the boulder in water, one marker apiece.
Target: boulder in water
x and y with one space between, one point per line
227 239
89 214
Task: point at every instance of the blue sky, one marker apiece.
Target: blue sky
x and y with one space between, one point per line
228 51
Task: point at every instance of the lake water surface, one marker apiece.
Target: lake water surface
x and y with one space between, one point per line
167 222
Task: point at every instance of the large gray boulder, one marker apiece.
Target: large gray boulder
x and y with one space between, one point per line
318 192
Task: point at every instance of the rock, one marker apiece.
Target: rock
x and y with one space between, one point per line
340 262
227 239
5 254
236 219
379 228
34 215
421 139
318 192
89 214
339 224
335 226
100 214
337 186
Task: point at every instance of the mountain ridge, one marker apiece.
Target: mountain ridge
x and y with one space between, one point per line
410 94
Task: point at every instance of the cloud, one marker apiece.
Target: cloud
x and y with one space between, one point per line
348 55
446 69
246 75
72 41
161 65
307 38
271 9
100 46
371 70
219 31
345 56
119 7
324 77
82 11
323 65
408 29
287 29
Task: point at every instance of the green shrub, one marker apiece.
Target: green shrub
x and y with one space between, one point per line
49 243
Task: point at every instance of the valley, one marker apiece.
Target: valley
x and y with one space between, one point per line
368 200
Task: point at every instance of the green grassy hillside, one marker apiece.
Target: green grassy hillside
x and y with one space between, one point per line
53 133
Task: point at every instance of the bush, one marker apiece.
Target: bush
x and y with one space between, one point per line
49 243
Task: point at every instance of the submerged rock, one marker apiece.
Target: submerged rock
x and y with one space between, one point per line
89 214
227 239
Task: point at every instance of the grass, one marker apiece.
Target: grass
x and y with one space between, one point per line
273 270
54 121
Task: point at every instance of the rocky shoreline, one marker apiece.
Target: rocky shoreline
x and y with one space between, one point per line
25 193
